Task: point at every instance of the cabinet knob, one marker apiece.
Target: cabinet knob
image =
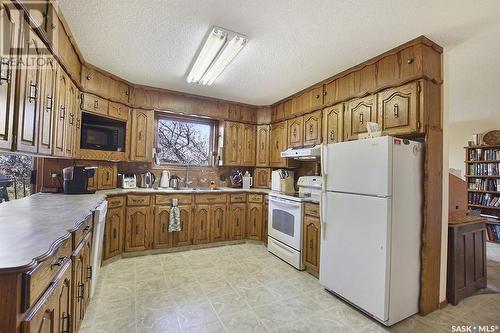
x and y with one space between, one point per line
409 61
396 110
317 96
332 135
324 93
96 104
311 129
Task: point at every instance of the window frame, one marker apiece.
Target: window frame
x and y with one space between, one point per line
192 119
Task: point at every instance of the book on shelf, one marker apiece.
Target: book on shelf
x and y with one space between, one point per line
481 184
484 199
493 232
484 154
484 169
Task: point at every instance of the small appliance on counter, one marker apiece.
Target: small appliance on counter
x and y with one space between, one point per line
247 181
147 179
165 179
175 182
236 178
128 180
76 179
282 181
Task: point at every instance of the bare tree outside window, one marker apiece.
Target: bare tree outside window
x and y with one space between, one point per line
15 174
184 141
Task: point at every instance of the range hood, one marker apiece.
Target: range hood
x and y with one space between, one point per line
311 153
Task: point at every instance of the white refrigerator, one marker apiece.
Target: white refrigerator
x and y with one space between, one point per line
371 214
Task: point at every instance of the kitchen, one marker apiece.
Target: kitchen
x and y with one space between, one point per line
167 201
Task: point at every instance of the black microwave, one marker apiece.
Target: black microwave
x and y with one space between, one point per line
102 133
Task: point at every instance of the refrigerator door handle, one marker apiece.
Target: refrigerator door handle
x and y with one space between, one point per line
322 214
324 163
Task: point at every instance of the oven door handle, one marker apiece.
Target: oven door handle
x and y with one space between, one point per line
284 202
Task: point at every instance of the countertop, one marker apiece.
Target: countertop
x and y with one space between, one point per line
31 225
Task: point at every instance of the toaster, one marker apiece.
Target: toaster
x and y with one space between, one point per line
128 180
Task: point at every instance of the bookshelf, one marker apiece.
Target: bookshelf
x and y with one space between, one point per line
482 167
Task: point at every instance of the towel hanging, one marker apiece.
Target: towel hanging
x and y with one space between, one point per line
174 224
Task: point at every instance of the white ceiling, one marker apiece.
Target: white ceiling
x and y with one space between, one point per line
293 44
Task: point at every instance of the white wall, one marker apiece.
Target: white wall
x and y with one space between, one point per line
471 104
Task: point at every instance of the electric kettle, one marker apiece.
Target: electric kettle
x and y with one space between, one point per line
165 179
147 179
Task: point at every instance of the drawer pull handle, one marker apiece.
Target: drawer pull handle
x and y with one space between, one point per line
32 92
311 244
361 117
66 320
71 118
332 135
78 123
136 229
89 273
58 262
49 104
96 104
237 222
62 114
311 129
4 71
87 228
116 202
396 110
80 291
114 233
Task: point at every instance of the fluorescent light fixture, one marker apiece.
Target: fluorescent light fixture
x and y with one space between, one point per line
216 55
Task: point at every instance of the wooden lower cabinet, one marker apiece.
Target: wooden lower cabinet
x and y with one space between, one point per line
265 219
218 223
311 243
137 228
81 280
161 237
236 223
113 233
254 221
185 236
201 224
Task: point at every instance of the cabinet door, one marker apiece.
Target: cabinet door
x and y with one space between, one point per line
311 244
87 251
47 102
312 129
237 218
265 219
358 112
333 123
10 37
78 287
161 237
296 132
248 145
263 139
118 111
71 109
106 176
317 97
113 233
398 109
185 236
330 92
278 143
201 229
141 147
29 92
136 230
218 227
261 177
60 114
254 221
63 303
388 70
233 138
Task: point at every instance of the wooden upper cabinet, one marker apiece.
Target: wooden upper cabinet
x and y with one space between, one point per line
48 104
185 236
70 127
357 113
233 137
119 91
262 149
10 37
330 92
316 96
278 112
29 93
119 111
388 70
278 143
287 108
94 104
398 109
261 177
95 82
312 128
365 79
201 224
114 232
137 228
345 87
142 136
248 145
161 236
333 123
237 218
106 176
60 113
254 221
218 223
296 132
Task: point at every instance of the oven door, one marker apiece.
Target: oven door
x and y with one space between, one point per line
285 217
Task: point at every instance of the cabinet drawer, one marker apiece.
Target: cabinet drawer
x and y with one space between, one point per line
114 202
238 197
94 104
255 198
118 110
311 209
182 199
37 280
210 198
83 229
138 200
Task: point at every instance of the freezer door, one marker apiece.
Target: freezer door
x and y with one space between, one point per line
361 166
355 251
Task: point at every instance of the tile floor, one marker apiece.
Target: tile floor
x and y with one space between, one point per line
243 288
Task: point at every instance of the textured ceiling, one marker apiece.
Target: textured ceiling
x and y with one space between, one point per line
293 44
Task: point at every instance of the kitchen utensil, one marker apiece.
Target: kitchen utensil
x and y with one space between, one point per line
236 178
175 182
147 179
165 179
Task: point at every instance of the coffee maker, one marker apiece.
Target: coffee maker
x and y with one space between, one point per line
76 179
